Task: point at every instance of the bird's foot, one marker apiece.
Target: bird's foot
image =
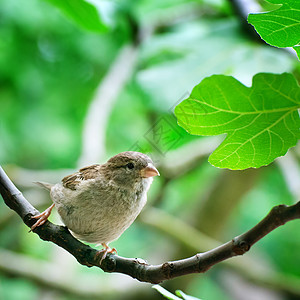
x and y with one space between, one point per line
104 252
42 217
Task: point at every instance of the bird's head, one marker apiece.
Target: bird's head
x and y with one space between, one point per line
128 168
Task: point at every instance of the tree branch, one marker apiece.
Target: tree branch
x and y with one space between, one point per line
136 268
194 240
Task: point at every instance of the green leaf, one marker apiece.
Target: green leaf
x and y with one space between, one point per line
170 296
165 293
281 27
261 122
83 13
185 296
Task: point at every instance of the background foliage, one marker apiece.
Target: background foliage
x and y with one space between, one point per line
50 70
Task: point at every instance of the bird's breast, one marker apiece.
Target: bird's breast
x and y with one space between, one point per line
99 214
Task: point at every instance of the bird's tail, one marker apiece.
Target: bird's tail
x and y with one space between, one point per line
44 185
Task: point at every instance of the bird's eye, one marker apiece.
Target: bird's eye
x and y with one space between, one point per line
130 165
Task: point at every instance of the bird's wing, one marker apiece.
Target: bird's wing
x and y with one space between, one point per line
72 181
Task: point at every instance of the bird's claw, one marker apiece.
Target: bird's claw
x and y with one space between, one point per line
105 251
42 217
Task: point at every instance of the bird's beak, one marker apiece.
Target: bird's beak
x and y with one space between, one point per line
149 171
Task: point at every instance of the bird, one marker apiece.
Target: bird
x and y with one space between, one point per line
99 202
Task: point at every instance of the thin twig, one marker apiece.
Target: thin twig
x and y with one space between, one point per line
136 268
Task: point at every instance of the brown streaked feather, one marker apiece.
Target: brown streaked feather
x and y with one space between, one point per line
71 181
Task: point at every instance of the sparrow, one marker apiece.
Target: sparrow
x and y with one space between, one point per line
99 202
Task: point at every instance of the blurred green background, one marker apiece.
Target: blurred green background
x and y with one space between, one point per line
71 97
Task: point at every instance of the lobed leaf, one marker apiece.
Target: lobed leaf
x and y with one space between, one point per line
261 122
281 27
